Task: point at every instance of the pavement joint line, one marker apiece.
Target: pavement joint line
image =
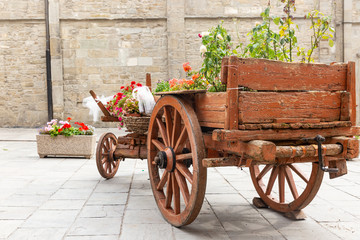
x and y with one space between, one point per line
127 199
250 204
222 225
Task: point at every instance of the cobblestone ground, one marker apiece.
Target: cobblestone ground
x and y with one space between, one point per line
66 198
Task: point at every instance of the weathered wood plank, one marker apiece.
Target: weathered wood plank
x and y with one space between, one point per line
282 134
261 74
350 87
232 100
265 107
345 110
259 126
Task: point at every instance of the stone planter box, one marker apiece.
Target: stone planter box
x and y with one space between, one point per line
76 146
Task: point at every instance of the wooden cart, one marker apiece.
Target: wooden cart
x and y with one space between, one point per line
294 122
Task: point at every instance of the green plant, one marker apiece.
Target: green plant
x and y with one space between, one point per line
131 106
320 24
55 128
265 43
216 45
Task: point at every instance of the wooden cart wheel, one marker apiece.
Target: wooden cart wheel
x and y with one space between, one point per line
175 151
299 191
106 163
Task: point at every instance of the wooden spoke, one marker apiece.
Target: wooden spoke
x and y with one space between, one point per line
162 131
169 192
109 167
272 179
291 183
158 144
169 124
299 173
176 194
103 160
281 181
185 172
106 166
176 128
183 186
264 171
184 156
181 141
162 182
113 163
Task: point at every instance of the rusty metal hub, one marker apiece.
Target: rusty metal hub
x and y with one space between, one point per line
166 159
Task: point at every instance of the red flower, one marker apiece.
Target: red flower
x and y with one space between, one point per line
200 36
122 87
139 85
133 82
85 127
69 119
59 130
195 76
77 123
186 67
66 125
80 129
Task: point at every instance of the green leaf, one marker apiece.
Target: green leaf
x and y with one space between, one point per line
276 20
331 43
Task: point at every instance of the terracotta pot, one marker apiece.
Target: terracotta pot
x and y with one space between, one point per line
77 146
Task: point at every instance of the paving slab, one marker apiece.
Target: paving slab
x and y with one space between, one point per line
66 198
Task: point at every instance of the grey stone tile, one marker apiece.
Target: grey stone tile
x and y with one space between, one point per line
8 226
96 226
146 216
51 219
63 204
101 211
107 198
146 231
64 193
80 184
18 200
118 187
102 237
206 226
141 202
348 230
226 199
14 213
234 212
38 234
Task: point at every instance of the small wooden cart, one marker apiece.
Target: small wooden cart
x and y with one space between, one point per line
294 122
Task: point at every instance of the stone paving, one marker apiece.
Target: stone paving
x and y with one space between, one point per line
66 198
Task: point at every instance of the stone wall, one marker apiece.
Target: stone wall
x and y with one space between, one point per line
102 44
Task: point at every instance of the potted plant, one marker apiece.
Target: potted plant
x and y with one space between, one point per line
60 138
126 107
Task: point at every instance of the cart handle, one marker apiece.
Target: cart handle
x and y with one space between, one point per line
100 104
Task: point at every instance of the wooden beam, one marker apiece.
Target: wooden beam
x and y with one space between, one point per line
350 87
282 134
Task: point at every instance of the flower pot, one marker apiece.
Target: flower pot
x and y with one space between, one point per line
77 146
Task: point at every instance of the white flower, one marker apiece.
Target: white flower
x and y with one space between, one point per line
220 37
203 49
257 23
205 33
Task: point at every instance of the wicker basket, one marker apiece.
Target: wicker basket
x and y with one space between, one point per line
138 125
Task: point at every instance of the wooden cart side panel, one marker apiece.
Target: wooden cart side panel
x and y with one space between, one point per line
351 88
266 107
262 74
210 109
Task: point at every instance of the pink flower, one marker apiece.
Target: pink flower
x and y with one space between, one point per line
200 36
